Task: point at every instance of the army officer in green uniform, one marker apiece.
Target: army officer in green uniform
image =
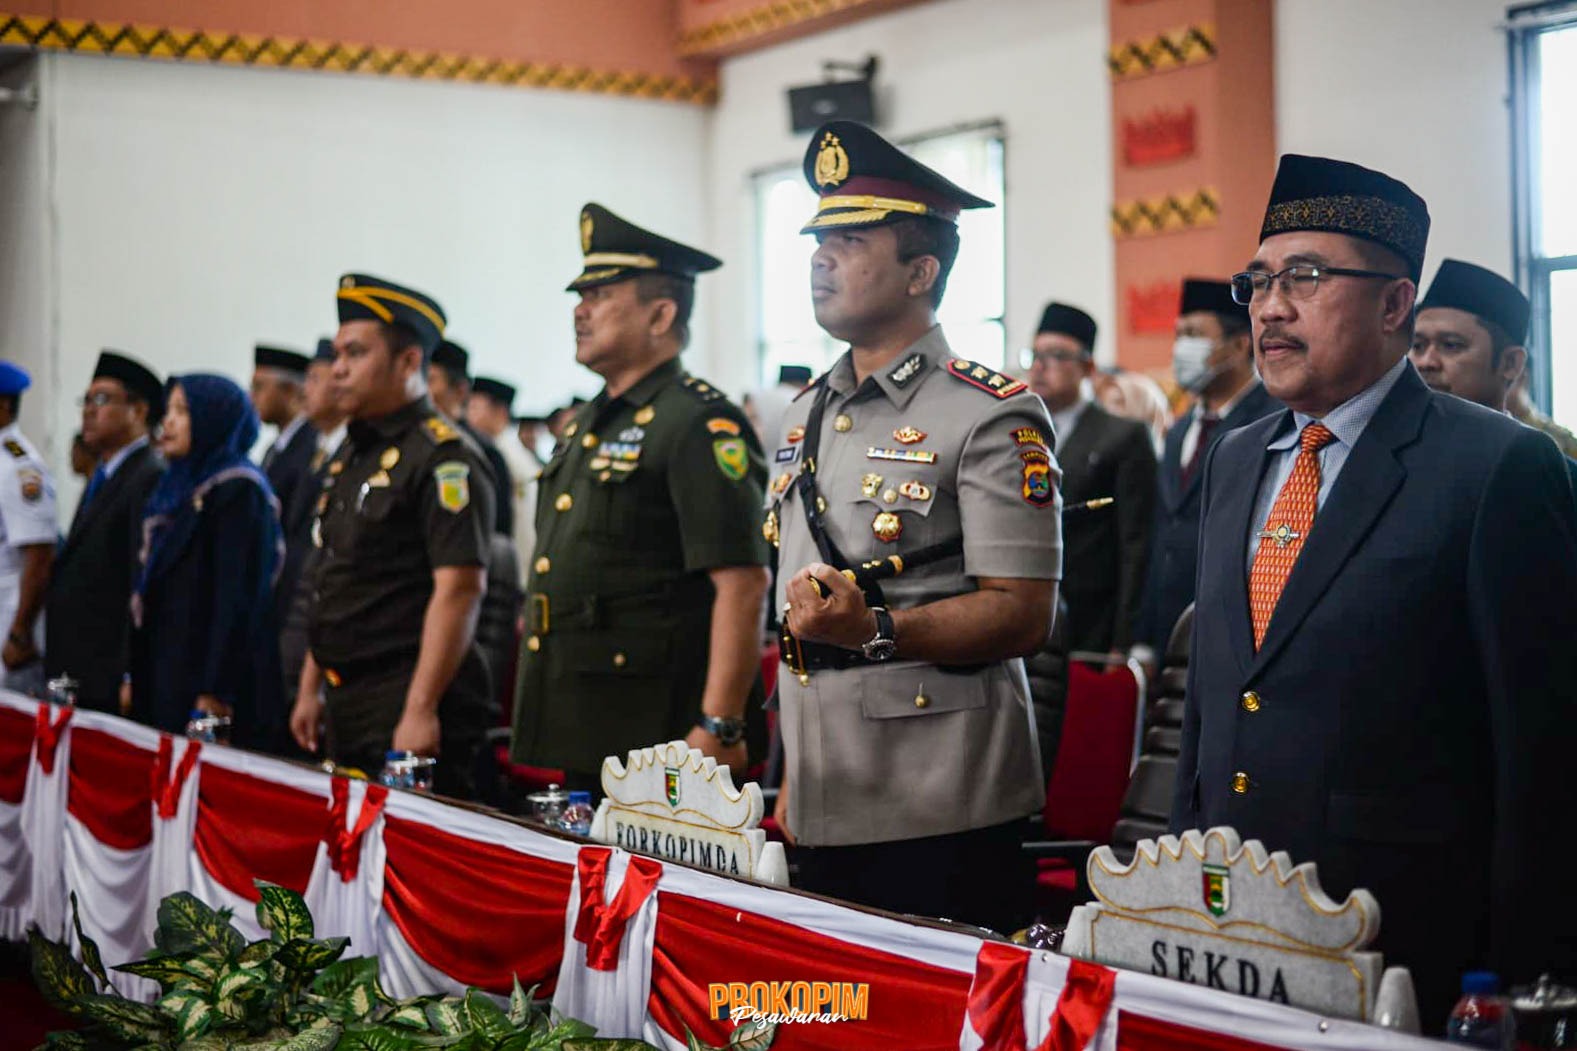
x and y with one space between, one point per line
909 741
404 523
643 609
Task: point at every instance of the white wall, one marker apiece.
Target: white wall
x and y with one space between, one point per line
204 209
1037 65
25 250
1417 89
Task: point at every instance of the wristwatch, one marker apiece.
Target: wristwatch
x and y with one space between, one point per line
727 731
882 646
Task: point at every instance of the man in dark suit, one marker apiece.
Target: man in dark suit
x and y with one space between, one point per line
1382 677
449 383
1213 358
278 380
1102 455
87 618
1470 337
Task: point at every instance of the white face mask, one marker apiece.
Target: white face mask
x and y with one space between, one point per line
1190 362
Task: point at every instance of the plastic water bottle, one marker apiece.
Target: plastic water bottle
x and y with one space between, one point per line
1482 1018
209 729
62 690
402 769
577 816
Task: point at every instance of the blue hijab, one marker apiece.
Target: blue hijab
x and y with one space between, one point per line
224 427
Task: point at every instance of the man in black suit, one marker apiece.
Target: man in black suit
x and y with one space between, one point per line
1213 358
1102 455
278 379
1471 337
449 383
87 618
1382 677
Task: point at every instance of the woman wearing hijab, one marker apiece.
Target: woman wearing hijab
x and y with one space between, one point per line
204 633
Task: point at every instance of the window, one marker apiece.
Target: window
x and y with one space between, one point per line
1544 81
973 308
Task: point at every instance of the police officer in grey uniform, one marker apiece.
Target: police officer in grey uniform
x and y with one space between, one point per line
910 751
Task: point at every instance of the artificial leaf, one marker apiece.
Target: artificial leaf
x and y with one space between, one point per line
520 1003
127 1019
66 1040
754 1035
342 975
607 1044
257 954
447 1018
693 1042
233 981
206 1042
194 1019
486 1017
90 948
385 1038
282 913
184 921
411 1016
166 970
322 1039
203 968
302 955
58 974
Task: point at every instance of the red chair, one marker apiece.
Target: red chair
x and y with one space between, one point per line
1095 756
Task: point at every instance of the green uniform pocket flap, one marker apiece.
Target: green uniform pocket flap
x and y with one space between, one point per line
618 652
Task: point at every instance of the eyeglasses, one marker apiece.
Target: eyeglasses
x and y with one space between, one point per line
1296 282
98 399
1027 358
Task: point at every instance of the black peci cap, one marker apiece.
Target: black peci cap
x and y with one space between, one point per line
1482 293
280 360
494 390
136 377
1316 193
1068 321
1202 295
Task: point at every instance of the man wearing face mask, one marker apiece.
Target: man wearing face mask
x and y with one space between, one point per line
1213 359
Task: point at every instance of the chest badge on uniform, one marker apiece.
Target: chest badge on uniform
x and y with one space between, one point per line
908 435
796 434
786 454
901 455
454 486
842 424
336 467
632 434
887 526
722 425
908 370
390 457
870 484
781 483
645 414
569 432
915 490
380 480
769 528
733 457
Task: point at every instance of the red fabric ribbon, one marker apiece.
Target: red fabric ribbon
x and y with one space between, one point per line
167 792
16 751
479 912
600 924
1086 997
1138 1033
996 999
344 845
235 845
108 790
47 735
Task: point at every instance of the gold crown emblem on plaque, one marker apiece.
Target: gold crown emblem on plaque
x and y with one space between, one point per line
585 233
832 163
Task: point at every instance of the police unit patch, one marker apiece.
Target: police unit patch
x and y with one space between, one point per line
32 485
1037 489
733 457
454 486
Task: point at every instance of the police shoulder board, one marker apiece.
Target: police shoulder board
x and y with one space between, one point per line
982 378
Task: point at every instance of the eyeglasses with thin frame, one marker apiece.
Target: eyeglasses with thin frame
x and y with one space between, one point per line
1296 282
1028 357
98 399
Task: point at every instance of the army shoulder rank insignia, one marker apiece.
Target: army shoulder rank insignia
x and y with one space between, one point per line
732 456
454 487
982 378
440 430
701 389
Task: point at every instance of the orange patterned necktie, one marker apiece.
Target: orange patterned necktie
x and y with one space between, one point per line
1285 530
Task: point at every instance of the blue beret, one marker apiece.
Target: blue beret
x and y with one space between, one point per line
13 378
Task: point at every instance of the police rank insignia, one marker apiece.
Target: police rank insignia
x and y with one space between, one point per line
908 435
454 486
14 447
1037 488
887 526
907 371
390 457
832 163
982 378
733 458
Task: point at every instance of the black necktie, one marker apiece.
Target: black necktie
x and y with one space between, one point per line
1207 426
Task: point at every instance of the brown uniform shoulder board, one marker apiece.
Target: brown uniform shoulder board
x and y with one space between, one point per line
982 378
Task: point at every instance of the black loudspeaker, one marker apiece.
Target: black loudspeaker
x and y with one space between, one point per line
814 104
